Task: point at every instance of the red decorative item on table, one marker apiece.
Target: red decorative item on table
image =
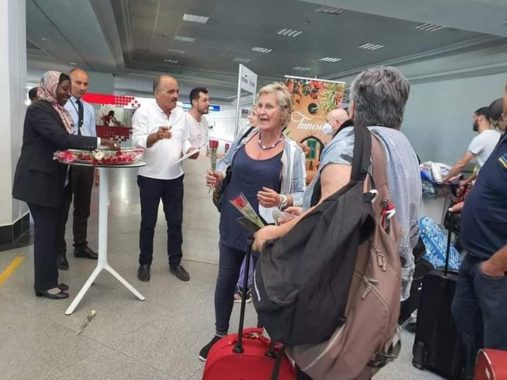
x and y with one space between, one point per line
99 157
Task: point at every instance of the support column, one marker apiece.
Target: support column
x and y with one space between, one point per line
14 218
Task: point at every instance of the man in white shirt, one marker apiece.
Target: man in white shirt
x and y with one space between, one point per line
481 145
159 128
80 181
197 124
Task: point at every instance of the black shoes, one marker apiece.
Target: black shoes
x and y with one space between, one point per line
85 252
63 287
180 272
203 354
62 262
52 296
143 273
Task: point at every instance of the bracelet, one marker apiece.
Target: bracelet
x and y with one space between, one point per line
283 201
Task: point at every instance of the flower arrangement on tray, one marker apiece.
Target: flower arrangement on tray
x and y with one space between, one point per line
125 156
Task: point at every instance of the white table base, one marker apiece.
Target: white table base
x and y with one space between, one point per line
102 260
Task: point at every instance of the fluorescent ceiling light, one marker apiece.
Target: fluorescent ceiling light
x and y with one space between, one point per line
370 46
168 60
299 68
176 51
429 27
330 59
241 60
72 63
195 18
184 39
261 49
329 10
289 32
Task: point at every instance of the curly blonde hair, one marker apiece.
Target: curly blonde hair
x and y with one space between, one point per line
283 97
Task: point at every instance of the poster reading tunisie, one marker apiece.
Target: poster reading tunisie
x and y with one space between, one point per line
312 100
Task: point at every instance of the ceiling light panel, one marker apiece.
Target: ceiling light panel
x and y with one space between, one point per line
329 10
176 51
184 39
289 32
168 60
241 60
195 18
261 50
371 46
299 68
330 59
429 27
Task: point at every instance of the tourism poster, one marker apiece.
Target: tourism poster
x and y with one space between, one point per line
312 100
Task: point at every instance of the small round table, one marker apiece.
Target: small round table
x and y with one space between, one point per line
103 214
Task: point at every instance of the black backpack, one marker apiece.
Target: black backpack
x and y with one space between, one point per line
302 280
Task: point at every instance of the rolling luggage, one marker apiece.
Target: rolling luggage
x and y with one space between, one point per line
491 365
437 345
247 355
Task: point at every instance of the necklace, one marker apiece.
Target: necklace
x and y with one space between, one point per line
268 147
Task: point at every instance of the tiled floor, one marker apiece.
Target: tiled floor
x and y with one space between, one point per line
129 339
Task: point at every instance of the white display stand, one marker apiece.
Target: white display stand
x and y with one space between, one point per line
103 216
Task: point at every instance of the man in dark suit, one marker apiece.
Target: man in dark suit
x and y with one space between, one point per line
80 183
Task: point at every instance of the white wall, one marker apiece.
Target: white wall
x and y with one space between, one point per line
438 117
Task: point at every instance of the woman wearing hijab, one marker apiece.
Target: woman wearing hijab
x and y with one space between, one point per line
39 180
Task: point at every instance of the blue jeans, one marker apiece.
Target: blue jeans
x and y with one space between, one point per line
229 266
151 191
479 309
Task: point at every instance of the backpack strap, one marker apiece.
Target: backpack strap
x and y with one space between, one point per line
379 164
360 160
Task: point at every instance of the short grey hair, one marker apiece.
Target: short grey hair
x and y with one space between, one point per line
379 95
156 82
283 97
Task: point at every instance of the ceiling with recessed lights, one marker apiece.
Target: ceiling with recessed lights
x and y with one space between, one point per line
202 42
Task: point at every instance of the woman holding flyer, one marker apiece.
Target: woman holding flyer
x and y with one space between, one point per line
268 171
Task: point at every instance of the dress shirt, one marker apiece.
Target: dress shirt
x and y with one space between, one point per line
88 128
160 157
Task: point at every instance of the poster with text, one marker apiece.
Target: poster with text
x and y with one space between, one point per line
312 99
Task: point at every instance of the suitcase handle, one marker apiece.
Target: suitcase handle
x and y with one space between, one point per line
452 217
238 347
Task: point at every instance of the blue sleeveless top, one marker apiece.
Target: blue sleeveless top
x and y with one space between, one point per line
248 177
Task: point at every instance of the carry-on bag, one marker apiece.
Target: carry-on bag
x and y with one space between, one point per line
491 365
437 345
247 355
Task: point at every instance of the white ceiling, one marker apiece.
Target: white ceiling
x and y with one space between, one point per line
132 38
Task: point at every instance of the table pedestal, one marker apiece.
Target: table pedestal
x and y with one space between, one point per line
102 260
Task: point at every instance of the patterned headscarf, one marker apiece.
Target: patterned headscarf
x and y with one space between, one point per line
47 92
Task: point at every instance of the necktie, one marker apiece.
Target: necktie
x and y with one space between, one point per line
79 115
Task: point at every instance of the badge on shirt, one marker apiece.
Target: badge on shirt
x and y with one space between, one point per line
503 160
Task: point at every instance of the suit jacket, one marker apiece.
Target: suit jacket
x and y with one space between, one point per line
39 179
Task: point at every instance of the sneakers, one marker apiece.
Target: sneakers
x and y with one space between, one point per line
180 272
203 354
238 294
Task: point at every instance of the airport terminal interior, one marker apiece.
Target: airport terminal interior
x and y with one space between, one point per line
453 53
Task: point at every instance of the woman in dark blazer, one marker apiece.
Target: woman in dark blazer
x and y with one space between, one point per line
39 179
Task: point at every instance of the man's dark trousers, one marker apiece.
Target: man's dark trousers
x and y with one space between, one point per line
170 191
80 188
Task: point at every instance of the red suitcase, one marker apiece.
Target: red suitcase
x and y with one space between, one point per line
247 355
256 362
491 365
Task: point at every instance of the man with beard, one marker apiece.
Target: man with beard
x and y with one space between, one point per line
481 145
197 124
